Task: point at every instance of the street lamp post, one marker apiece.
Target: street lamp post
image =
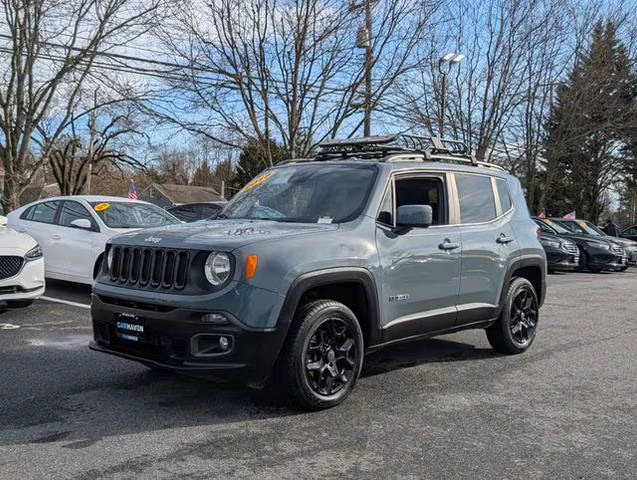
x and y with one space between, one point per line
449 59
364 40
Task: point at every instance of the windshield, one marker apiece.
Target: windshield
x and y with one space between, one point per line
555 226
132 215
580 226
323 193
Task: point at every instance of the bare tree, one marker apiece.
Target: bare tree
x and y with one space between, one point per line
49 50
286 69
78 157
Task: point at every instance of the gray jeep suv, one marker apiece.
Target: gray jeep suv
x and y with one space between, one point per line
317 262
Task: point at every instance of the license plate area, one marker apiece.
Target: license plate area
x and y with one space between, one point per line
131 327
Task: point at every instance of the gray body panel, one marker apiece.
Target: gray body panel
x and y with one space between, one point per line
418 288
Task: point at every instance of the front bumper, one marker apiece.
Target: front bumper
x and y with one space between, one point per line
558 259
172 339
26 285
608 261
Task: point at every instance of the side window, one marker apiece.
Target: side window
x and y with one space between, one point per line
73 211
43 212
423 191
477 202
503 193
385 215
630 231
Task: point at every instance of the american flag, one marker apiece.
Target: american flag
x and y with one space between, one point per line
132 194
542 214
571 215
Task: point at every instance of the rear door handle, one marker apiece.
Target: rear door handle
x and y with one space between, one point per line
55 236
503 239
447 245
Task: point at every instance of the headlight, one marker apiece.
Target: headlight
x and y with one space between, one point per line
605 246
218 268
109 258
33 254
550 243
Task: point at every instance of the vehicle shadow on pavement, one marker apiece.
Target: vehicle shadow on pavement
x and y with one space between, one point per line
411 354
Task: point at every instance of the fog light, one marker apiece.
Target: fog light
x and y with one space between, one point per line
215 318
224 343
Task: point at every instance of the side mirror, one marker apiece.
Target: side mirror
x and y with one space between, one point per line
414 216
83 223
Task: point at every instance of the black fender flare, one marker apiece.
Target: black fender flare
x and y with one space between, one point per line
532 260
318 278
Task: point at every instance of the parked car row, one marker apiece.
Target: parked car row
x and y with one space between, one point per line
580 245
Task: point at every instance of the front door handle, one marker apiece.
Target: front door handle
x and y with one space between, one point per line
55 236
448 245
503 239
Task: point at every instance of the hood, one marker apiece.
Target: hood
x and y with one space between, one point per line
624 242
10 239
221 234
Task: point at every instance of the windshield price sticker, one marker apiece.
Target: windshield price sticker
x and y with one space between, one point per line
100 207
583 224
258 181
325 220
548 221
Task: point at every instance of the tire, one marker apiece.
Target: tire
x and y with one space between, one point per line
623 269
323 355
515 329
19 303
583 260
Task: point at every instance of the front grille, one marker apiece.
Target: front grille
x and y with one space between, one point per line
618 250
150 268
571 248
10 266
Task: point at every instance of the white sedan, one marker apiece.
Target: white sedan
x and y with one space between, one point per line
73 230
21 268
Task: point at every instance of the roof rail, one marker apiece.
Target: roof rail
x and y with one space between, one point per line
382 147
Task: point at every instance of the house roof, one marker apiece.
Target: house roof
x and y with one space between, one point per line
186 193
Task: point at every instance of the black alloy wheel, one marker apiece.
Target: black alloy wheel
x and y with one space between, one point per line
523 317
330 357
515 329
323 354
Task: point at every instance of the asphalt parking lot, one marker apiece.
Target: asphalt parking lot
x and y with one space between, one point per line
441 408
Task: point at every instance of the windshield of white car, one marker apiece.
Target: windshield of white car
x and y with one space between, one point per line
323 193
132 215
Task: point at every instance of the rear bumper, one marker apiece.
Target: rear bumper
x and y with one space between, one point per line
173 340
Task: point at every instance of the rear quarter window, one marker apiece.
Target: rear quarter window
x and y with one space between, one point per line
41 212
475 194
503 193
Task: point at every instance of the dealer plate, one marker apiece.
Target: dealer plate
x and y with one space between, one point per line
130 327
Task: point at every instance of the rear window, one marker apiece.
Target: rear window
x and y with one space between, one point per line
42 212
477 202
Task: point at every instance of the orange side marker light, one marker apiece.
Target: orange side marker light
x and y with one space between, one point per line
251 265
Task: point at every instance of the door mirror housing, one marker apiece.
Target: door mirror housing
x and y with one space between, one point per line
410 216
83 223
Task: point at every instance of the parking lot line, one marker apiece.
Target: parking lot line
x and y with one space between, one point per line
65 302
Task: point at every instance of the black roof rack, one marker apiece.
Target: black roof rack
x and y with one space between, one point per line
383 147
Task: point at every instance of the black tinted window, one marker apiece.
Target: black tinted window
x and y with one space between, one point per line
477 203
73 211
42 212
208 211
503 193
187 213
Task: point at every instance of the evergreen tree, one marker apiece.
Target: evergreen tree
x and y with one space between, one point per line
590 113
203 176
253 160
